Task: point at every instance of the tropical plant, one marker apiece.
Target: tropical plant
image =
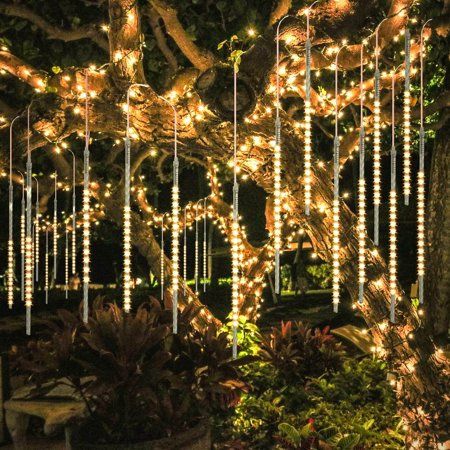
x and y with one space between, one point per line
138 380
298 351
321 275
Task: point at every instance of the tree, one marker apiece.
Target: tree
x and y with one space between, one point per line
201 88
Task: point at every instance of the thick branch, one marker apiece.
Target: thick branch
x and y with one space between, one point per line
52 31
200 58
25 72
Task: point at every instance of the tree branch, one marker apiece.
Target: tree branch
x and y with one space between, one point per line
52 31
200 58
280 10
25 72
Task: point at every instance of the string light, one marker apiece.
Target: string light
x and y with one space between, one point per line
308 111
36 232
184 251
46 266
175 221
55 228
335 243
29 238
205 261
393 213
86 209
235 227
277 170
377 143
196 249
22 240
10 279
162 259
407 121
67 264
421 181
361 191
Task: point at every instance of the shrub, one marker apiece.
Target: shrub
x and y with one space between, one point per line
297 351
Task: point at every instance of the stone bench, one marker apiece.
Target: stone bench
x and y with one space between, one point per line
58 408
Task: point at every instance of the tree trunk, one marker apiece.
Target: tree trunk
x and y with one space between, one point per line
437 285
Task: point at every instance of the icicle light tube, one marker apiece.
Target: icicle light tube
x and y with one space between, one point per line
361 191
29 237
46 266
36 233
205 243
421 181
235 241
277 224
393 212
86 209
377 144
66 268
308 112
22 240
74 214
55 228
184 251
161 274
407 121
10 277
196 249
335 235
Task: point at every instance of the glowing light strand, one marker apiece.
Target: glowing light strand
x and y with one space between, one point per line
10 278
66 268
421 181
205 243
36 233
235 228
277 224
335 236
86 209
407 121
55 228
29 237
196 249
22 240
308 111
184 251
361 191
393 212
161 281
46 274
74 214
377 144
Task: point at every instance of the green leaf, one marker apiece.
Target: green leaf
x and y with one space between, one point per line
348 442
56 69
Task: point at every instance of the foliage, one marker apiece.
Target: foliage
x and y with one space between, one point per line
353 408
139 381
321 274
297 351
248 336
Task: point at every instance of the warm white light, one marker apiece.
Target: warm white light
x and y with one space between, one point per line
46 266
66 265
55 228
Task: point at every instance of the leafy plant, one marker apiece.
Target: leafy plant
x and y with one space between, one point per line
321 275
138 380
297 351
248 336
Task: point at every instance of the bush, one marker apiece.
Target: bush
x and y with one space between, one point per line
297 352
138 380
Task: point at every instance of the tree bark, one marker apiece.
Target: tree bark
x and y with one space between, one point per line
437 282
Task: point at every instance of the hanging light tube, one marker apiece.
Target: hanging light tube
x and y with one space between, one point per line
196 249
28 235
46 266
277 224
407 121
361 190
36 232
22 240
205 243
161 275
377 143
55 228
393 212
335 234
67 263
86 209
184 251
421 181
308 112
10 277
235 241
